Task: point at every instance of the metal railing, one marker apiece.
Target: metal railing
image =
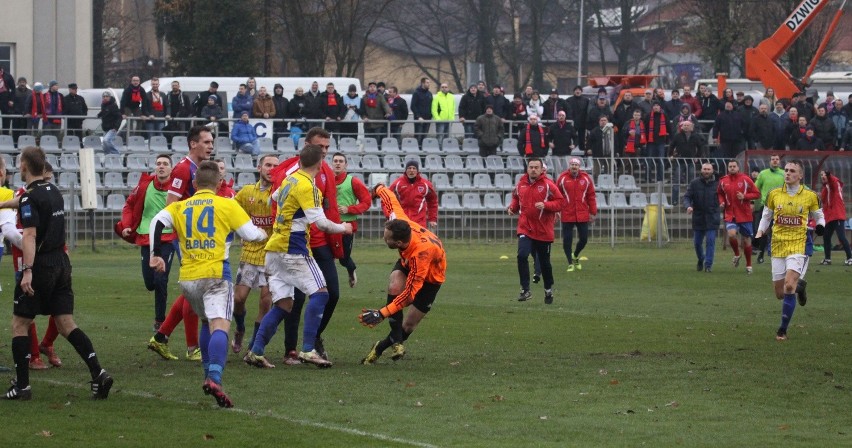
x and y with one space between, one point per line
472 209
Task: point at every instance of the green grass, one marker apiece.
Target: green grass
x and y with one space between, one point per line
638 349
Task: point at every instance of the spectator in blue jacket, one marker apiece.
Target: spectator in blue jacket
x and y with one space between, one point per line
780 119
242 102
421 108
245 137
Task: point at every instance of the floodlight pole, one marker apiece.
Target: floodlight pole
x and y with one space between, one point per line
580 46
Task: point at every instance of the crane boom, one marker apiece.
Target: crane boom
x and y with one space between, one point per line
761 62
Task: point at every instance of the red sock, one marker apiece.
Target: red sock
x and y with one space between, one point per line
51 334
34 343
747 250
174 317
735 245
190 325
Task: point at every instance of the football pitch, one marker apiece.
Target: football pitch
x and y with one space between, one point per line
637 349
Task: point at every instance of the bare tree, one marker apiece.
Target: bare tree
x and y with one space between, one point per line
486 15
438 37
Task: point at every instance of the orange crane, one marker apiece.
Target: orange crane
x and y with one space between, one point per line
761 62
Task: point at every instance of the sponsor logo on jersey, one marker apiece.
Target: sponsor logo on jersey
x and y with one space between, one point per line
785 220
262 221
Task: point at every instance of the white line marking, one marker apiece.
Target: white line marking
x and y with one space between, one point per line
301 422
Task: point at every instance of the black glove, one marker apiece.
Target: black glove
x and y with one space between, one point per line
819 229
370 318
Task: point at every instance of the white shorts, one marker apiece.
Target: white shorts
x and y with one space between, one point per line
211 298
284 272
251 275
795 262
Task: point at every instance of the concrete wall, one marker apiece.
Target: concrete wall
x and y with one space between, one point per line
51 39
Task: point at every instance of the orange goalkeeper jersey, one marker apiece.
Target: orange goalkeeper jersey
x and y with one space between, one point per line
424 257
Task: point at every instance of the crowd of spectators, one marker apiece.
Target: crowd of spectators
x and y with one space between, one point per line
685 125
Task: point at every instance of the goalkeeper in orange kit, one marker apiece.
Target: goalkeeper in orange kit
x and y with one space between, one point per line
415 279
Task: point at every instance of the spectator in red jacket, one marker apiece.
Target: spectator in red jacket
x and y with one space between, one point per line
417 196
353 199
735 193
143 203
694 103
834 209
578 209
535 200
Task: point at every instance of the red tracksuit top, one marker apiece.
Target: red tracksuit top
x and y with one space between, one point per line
737 210
579 193
532 222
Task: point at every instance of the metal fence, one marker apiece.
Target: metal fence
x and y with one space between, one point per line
636 196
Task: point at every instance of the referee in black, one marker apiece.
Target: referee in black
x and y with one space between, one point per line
44 286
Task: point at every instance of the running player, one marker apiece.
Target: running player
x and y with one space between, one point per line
254 199
325 248
203 224
289 263
736 191
181 187
415 279
787 209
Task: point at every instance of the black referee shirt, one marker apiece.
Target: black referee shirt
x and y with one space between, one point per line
42 207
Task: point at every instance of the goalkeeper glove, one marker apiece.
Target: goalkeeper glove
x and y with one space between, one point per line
819 229
370 318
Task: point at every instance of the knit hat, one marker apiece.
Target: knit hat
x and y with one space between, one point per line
38 87
413 163
554 91
73 85
212 97
352 88
489 106
52 83
575 160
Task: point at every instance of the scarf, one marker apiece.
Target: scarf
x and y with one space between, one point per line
652 125
156 101
332 100
528 149
370 99
3 87
135 95
43 101
631 139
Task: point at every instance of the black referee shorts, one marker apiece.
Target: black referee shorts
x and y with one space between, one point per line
426 296
53 294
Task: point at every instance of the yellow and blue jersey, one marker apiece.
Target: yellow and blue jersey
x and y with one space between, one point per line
204 224
255 201
299 204
790 219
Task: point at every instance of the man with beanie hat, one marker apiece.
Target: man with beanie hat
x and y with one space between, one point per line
21 96
36 106
489 131
282 104
578 109
417 196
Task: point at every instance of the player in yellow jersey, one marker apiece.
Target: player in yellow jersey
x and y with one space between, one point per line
787 209
203 224
289 263
254 199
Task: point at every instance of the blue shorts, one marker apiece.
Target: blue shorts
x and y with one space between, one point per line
744 228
